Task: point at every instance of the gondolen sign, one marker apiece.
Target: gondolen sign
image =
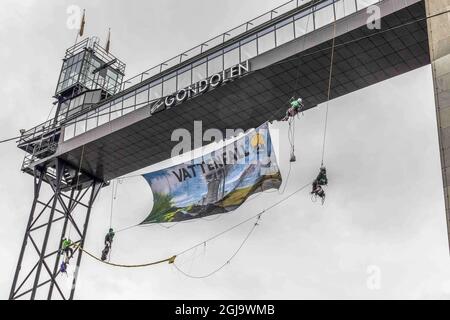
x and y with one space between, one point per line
201 87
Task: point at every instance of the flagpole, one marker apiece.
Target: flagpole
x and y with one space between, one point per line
108 42
80 31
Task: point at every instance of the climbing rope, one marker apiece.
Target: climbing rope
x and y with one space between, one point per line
24 136
171 226
10 139
258 216
247 220
112 203
291 134
292 59
189 221
291 138
79 168
341 44
329 92
127 228
192 259
172 259
218 216
299 58
227 262
78 183
297 78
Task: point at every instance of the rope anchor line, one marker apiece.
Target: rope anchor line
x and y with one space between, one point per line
173 259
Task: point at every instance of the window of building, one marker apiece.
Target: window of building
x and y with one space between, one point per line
266 40
70 71
80 126
116 109
231 56
324 16
199 72
184 77
215 64
129 101
142 97
69 132
92 120
304 23
344 8
103 114
361 4
285 31
170 84
155 90
248 48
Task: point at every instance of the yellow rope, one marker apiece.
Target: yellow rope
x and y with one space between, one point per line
170 260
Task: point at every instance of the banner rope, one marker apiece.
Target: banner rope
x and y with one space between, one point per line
172 259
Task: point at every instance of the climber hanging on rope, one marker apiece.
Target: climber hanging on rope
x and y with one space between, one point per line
322 178
296 107
108 243
317 187
63 268
317 191
67 250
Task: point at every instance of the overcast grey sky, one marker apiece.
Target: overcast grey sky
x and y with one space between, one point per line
384 209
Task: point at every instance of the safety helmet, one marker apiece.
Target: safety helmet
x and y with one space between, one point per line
300 100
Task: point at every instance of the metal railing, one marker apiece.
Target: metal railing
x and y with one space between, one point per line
218 40
284 17
39 154
93 43
38 131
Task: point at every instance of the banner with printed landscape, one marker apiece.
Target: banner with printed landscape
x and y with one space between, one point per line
216 183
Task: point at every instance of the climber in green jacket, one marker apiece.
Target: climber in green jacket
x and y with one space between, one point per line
322 178
108 243
296 107
319 182
66 249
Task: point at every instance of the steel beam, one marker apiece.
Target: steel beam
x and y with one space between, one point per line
38 176
58 257
56 203
94 193
57 187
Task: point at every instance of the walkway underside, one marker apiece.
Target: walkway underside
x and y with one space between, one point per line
363 57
